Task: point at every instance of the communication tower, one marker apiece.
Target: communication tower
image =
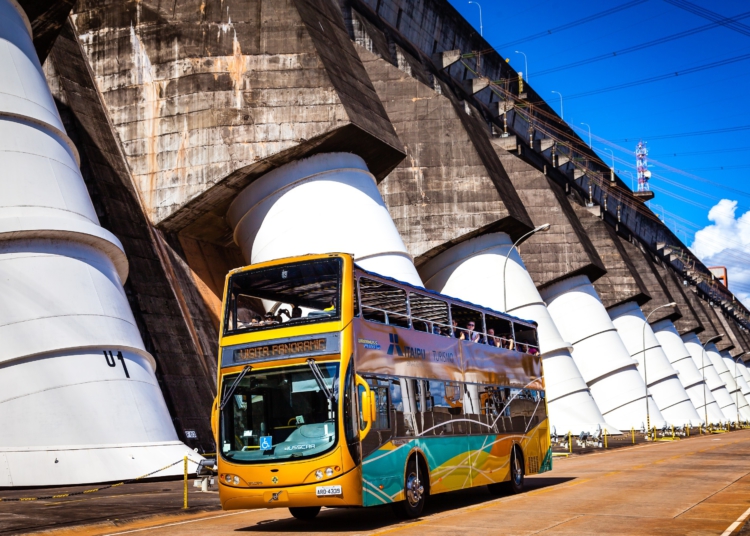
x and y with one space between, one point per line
641 165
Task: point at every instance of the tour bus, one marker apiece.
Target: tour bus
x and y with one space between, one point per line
341 387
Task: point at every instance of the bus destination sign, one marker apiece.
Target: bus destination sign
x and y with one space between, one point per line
281 349
285 349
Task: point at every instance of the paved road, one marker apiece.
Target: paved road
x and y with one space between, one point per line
696 486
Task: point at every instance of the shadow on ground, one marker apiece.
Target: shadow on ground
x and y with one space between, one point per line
348 519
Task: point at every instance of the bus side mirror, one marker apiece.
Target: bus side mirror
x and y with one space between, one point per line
366 406
215 419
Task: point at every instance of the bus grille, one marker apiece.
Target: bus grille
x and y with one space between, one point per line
533 464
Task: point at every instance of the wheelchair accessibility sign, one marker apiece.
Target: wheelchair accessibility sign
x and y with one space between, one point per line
265 443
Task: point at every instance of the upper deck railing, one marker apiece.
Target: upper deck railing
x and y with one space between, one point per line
388 301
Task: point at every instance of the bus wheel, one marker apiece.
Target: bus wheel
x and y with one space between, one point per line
515 485
305 513
415 491
516 471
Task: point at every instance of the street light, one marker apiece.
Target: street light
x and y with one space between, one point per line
737 392
525 64
613 156
632 179
645 367
703 370
586 124
562 113
481 30
544 227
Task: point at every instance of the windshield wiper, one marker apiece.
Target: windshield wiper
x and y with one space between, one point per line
233 387
318 375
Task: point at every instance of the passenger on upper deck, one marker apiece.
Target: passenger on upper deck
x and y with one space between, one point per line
469 334
491 339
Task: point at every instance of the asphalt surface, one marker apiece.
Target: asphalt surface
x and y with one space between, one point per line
696 486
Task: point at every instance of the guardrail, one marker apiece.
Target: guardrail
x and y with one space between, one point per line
203 465
567 444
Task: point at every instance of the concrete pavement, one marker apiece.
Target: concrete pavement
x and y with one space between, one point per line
695 486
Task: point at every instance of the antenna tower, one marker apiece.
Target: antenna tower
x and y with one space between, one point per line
641 166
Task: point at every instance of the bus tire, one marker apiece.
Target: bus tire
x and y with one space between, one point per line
515 484
415 490
305 513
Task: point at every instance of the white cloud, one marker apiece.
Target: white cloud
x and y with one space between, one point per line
726 242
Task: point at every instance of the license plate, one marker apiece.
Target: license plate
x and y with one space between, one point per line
325 491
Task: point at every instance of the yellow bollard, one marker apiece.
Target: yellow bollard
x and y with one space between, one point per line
673 431
687 428
570 443
632 432
605 438
184 493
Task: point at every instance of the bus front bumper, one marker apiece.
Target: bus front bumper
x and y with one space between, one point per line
294 496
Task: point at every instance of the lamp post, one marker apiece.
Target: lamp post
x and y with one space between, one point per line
737 392
624 171
543 227
481 29
562 113
613 156
703 370
589 127
645 367
525 64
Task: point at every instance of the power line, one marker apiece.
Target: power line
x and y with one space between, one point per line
658 78
635 48
719 168
687 134
573 24
712 151
710 15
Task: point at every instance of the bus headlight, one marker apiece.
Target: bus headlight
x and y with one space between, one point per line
329 472
232 479
319 474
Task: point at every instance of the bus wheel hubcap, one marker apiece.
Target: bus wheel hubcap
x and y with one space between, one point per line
414 489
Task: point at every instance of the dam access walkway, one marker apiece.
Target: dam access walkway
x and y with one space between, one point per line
697 485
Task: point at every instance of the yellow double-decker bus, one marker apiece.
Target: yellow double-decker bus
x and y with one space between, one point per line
340 387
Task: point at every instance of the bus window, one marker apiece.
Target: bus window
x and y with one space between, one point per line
499 332
383 303
429 314
526 409
444 407
301 292
468 323
382 404
526 341
275 414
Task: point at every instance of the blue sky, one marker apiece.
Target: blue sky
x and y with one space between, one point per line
688 177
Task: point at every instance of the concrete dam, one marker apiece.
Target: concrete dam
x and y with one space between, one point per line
150 147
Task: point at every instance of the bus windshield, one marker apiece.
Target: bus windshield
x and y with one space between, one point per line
295 293
280 413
